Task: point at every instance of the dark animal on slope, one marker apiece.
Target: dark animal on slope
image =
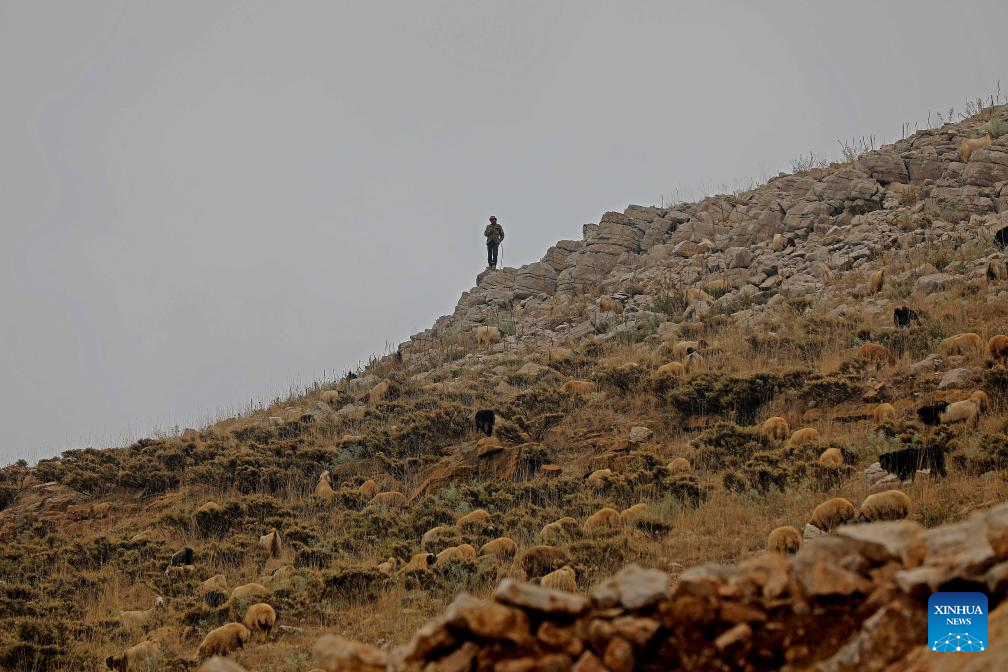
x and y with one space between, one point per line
485 421
183 557
905 463
903 316
931 415
1001 238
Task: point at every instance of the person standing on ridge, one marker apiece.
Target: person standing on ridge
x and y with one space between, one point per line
494 233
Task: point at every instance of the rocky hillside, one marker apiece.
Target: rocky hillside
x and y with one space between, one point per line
645 381
796 238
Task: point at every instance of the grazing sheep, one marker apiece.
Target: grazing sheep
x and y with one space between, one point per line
487 335
966 412
323 489
607 304
906 462
692 362
679 465
981 399
554 355
260 619
597 478
501 548
271 543
141 618
970 145
420 562
785 540
180 572
380 392
330 397
831 457
468 550
216 583
454 554
183 557
389 566
249 590
388 500
888 505
1001 237
604 520
577 387
803 436
138 658
280 578
559 531
876 281
997 348
903 316
683 348
560 579
776 428
671 369
635 512
962 344
695 295
476 519
931 414
223 640
368 488
997 269
437 535
215 590
832 512
879 354
484 420
541 560
883 413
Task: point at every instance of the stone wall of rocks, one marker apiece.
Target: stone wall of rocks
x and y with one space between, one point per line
854 601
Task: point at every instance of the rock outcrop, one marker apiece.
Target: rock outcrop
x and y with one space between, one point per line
789 236
855 600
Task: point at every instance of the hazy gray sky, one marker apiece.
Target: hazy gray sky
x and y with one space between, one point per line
201 202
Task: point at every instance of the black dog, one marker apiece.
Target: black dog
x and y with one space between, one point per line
905 463
485 421
1001 238
183 557
903 316
931 415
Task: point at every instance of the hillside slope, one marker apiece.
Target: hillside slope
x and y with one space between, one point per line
760 302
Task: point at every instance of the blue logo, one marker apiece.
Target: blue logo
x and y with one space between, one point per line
957 622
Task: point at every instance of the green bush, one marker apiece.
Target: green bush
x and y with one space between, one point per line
741 398
728 446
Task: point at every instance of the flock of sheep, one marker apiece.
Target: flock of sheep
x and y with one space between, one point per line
550 563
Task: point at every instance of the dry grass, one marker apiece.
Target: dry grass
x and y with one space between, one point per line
76 576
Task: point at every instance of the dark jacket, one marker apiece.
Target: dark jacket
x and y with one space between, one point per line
494 233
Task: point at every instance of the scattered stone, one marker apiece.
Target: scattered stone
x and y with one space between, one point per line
634 587
640 434
536 598
219 664
338 654
956 378
733 635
